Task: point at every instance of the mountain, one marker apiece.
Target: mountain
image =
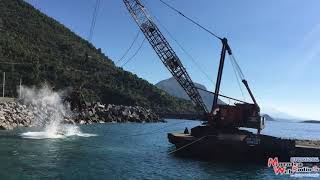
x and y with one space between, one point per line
172 87
38 49
279 115
268 117
311 121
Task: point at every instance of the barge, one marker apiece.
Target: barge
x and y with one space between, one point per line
221 136
241 146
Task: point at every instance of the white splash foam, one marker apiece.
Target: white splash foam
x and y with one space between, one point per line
41 135
49 111
46 135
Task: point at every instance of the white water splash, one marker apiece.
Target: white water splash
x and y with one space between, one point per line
49 111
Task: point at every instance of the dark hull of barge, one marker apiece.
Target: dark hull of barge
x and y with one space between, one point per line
238 146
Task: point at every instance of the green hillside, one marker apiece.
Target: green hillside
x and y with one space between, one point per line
39 49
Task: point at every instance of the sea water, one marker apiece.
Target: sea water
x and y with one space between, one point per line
126 151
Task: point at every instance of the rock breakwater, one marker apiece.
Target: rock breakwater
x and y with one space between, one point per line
13 114
16 114
100 113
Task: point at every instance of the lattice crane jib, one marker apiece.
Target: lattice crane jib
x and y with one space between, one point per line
164 51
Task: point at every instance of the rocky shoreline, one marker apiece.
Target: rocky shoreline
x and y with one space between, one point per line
16 114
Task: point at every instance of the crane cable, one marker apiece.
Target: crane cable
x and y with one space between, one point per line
141 45
94 19
182 147
210 32
191 20
238 67
180 46
131 45
185 51
234 63
237 76
207 30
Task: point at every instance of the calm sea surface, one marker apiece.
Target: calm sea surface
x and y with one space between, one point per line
126 151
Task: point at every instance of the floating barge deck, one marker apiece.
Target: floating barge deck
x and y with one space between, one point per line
241 146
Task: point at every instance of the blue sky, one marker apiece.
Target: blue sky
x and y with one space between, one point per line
276 43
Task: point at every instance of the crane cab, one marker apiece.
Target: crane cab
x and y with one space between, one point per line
238 115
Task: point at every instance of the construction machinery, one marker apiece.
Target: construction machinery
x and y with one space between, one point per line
222 136
220 116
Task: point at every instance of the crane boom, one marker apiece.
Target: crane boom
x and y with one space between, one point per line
164 51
